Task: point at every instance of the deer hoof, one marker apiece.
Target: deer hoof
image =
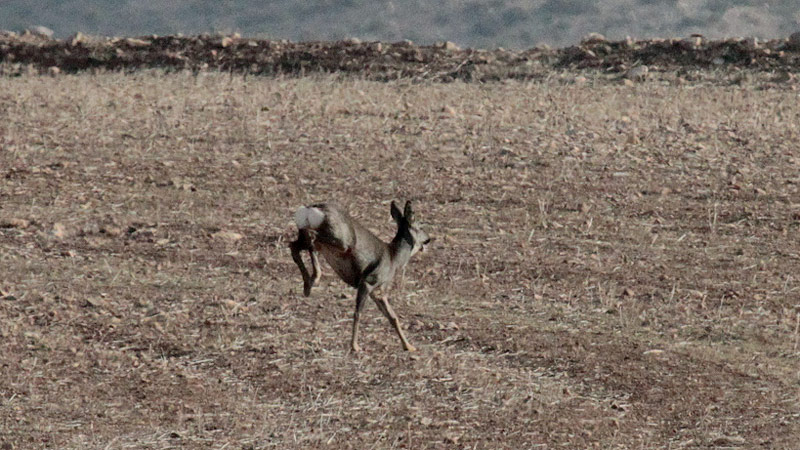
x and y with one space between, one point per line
307 290
355 348
410 348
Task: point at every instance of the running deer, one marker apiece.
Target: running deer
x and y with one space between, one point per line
359 258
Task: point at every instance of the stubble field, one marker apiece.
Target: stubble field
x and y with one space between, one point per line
615 266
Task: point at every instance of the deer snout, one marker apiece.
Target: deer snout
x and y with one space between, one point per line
425 243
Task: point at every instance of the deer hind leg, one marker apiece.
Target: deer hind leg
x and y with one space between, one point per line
387 311
316 271
361 297
306 242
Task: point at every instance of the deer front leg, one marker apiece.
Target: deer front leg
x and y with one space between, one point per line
387 311
361 297
304 242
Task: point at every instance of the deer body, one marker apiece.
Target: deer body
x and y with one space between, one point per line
357 256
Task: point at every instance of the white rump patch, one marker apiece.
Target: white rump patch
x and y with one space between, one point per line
307 217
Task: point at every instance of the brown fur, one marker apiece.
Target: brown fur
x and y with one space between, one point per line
359 257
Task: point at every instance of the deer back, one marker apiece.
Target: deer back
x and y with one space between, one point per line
349 247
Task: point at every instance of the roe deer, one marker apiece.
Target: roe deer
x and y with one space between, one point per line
359 258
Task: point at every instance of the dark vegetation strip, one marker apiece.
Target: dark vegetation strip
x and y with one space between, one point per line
386 61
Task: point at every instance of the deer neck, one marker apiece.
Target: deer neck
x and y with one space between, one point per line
400 250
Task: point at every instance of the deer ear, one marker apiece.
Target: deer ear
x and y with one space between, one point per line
408 213
396 214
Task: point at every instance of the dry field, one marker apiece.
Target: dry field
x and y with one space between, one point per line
614 266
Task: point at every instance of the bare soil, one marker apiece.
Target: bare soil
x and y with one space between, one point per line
615 266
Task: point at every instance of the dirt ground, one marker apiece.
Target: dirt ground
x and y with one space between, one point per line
615 266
